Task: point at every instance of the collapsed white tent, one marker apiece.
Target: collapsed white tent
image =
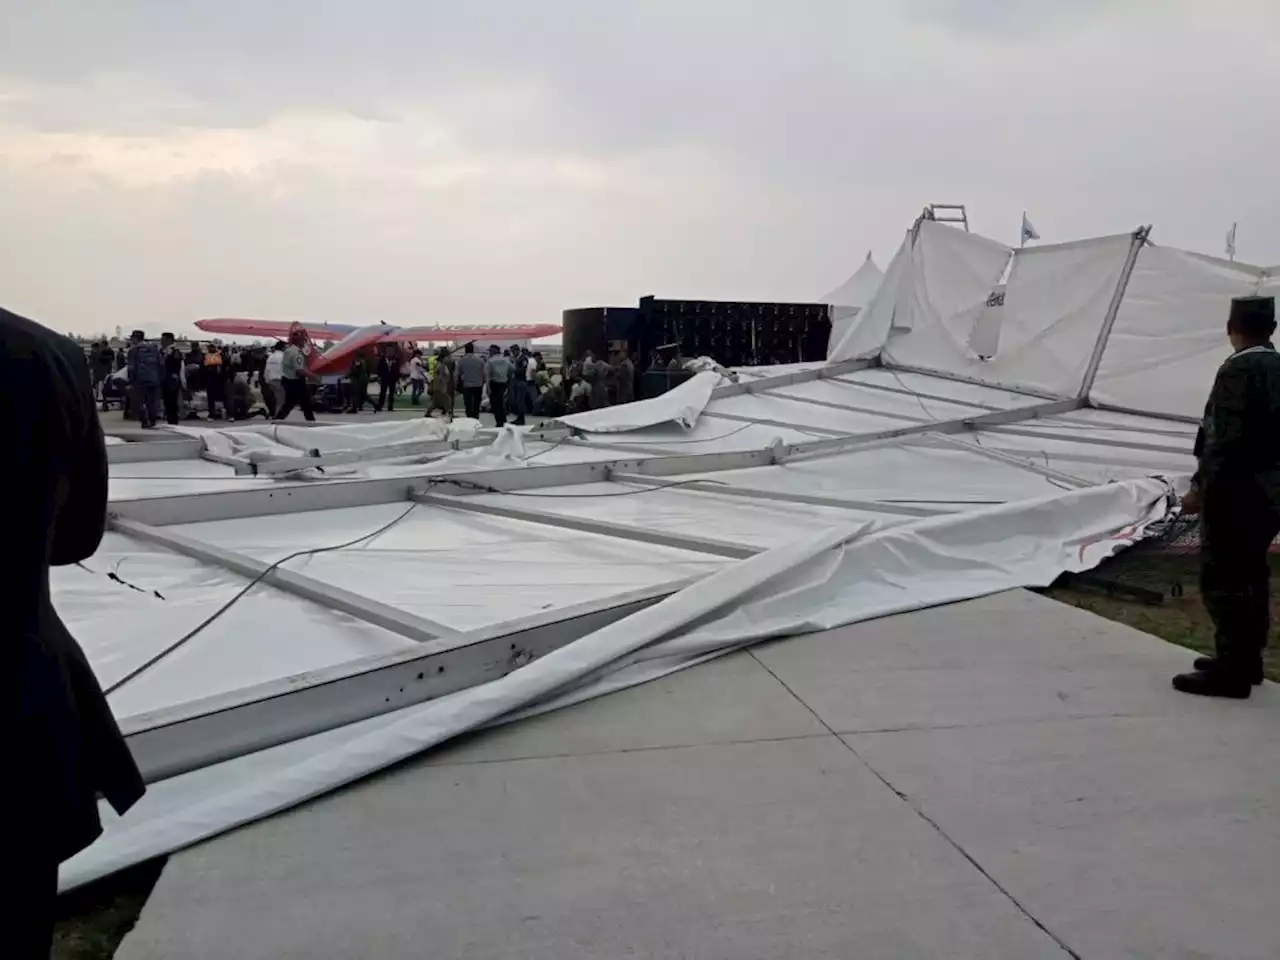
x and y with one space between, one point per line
429 595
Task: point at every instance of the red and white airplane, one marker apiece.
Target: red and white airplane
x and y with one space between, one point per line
351 338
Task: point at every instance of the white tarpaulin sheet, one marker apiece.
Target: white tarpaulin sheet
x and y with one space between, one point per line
926 473
876 402
281 440
1055 301
463 570
160 596
681 405
709 436
816 420
1170 335
952 274
842 576
922 385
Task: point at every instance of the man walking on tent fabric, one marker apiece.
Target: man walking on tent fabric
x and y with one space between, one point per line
497 374
471 374
63 745
1236 491
297 392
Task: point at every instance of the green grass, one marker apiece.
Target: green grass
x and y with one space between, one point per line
93 920
1181 620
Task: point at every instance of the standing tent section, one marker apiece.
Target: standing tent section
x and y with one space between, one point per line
863 335
849 299
1168 339
1038 334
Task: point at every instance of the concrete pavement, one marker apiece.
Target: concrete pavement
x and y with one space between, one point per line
1004 778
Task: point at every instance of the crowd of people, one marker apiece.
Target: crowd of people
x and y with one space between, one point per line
518 383
164 378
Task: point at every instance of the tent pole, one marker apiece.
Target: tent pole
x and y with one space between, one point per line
1140 238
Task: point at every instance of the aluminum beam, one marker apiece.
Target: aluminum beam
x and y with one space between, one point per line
779 496
888 415
942 427
1140 237
884 388
276 466
339 494
1151 415
136 434
780 424
411 626
1098 441
179 739
787 379
154 450
1057 476
263 501
621 531
392 451
973 381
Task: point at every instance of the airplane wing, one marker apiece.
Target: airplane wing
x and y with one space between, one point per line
338 357
459 333
279 329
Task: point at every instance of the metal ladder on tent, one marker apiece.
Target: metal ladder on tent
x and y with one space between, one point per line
947 213
942 213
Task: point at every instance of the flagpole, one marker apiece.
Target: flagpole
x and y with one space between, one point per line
1231 249
1022 231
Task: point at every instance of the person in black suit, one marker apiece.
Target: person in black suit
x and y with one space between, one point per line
65 747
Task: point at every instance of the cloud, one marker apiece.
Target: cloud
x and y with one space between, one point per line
496 160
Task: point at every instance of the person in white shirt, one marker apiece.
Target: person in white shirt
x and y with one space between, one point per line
417 377
272 374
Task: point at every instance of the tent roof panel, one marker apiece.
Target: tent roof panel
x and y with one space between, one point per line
461 569
264 636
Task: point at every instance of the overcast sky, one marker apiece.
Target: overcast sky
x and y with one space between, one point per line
501 160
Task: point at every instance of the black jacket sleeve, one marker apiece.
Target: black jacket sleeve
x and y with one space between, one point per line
83 517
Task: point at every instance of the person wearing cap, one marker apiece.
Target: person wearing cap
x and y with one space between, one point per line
1236 492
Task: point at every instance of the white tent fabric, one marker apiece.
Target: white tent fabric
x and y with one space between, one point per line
1169 336
1055 302
858 290
1270 282
681 405
849 299
951 272
841 576
984 338
281 440
865 335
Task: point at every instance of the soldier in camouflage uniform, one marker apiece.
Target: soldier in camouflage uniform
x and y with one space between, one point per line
1236 491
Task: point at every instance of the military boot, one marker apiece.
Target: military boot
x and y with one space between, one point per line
1214 683
1208 664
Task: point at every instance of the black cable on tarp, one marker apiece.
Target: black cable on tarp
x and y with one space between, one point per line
199 628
